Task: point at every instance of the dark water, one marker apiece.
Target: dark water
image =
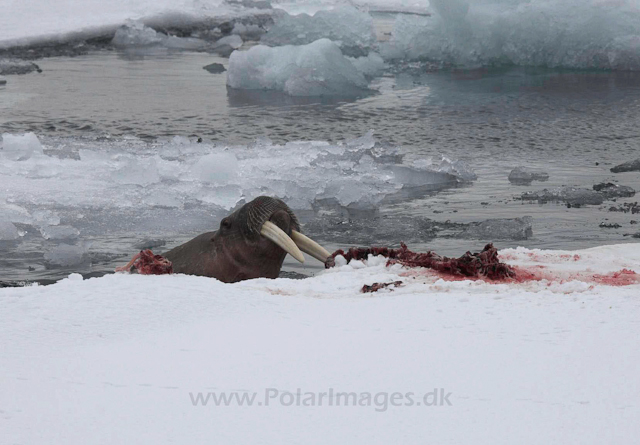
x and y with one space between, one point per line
573 125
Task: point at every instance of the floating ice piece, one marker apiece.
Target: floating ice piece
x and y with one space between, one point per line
59 232
234 41
185 43
350 28
216 168
571 195
135 33
610 190
65 255
226 45
20 147
570 34
135 171
46 217
215 68
180 185
9 66
410 36
371 65
316 69
631 166
525 176
249 31
458 169
8 231
15 213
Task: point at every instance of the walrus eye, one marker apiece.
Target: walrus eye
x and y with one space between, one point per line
225 223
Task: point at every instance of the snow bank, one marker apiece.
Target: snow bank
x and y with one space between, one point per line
91 186
350 28
316 69
568 33
82 356
44 21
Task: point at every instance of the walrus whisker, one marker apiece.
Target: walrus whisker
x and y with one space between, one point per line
309 246
277 235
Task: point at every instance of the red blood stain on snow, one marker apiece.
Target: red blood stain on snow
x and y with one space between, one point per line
624 277
518 274
526 274
470 265
575 257
539 257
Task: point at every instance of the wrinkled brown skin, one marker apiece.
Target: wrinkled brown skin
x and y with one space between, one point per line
237 251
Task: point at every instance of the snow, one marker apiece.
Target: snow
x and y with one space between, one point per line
350 28
43 20
316 69
117 359
97 186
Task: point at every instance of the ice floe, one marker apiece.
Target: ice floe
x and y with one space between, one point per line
144 347
525 176
568 33
8 231
571 195
631 166
350 28
316 69
10 66
93 186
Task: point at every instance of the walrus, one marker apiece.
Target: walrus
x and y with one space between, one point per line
252 242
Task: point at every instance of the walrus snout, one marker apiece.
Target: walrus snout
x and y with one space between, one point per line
277 222
294 241
282 219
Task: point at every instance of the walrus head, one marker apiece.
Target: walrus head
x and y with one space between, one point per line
252 242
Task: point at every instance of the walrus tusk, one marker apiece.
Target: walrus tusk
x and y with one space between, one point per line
277 235
307 245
